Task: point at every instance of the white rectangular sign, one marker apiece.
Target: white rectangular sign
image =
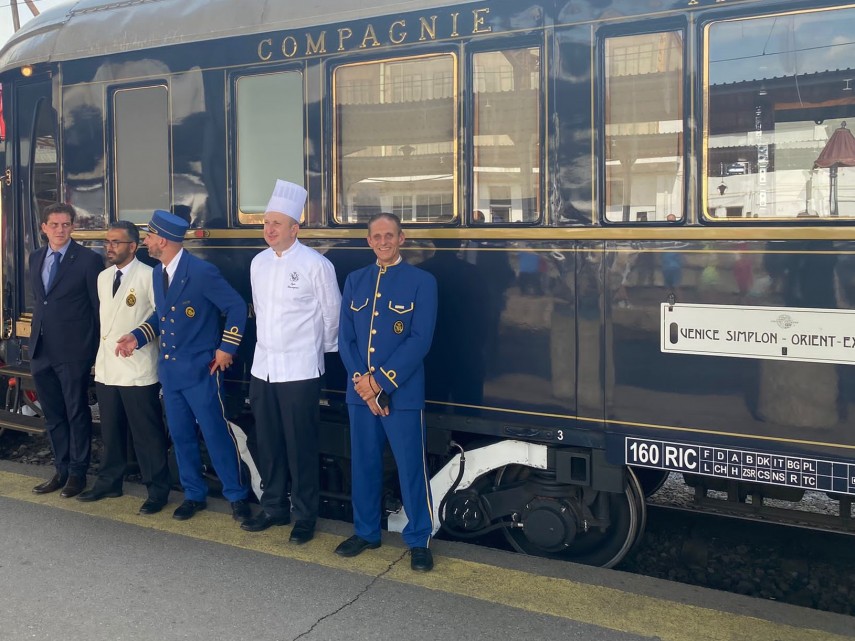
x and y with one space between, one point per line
777 333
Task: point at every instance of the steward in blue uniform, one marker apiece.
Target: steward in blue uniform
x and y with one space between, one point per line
190 295
388 313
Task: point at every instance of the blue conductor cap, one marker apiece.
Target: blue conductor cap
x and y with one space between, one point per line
169 226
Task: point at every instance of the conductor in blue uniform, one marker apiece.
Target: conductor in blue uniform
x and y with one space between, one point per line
388 313
190 295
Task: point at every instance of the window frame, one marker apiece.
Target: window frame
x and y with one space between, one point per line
497 45
395 56
113 157
703 84
240 218
599 81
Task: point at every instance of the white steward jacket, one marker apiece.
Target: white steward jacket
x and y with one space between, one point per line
131 306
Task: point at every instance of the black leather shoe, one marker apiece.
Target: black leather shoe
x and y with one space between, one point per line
262 521
151 506
51 485
421 559
73 486
355 545
303 532
96 494
187 509
241 511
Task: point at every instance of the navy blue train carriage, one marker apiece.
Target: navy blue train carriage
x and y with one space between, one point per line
639 214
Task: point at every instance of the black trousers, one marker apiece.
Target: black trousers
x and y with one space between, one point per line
287 416
136 408
63 393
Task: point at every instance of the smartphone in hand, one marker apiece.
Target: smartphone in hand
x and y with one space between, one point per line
382 400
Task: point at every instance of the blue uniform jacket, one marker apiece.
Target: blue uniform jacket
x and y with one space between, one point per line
387 320
186 323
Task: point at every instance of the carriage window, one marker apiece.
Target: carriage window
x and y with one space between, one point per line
780 107
644 127
396 139
270 139
141 126
506 171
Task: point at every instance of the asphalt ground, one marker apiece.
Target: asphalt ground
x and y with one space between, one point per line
93 571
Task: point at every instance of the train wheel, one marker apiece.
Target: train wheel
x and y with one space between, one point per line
548 525
650 480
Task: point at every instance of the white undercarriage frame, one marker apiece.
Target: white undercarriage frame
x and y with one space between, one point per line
478 462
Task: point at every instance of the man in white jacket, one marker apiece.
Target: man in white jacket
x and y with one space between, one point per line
128 390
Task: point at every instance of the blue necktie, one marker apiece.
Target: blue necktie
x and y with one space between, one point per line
54 269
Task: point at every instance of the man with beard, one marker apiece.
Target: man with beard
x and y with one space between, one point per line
190 295
128 391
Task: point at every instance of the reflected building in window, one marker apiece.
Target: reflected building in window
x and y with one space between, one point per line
779 88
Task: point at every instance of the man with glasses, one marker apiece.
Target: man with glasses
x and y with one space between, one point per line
63 341
128 390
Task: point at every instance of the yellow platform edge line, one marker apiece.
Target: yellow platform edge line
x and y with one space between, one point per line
595 605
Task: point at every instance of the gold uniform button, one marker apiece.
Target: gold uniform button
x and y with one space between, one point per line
166 357
163 320
163 344
173 309
373 331
376 313
371 349
379 294
372 369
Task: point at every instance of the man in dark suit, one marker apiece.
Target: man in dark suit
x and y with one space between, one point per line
63 343
190 295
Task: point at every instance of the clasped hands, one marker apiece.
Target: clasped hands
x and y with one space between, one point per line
368 389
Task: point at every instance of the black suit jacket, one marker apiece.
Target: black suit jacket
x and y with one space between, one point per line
65 319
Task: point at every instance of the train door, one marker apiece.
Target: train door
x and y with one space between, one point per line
35 173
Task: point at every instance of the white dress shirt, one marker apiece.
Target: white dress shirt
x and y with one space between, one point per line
172 267
297 304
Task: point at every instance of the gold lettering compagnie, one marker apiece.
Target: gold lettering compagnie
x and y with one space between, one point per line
424 28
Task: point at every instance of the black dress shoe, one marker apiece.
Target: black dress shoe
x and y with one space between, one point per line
96 494
421 559
262 521
303 532
240 510
187 509
51 485
355 545
73 486
151 506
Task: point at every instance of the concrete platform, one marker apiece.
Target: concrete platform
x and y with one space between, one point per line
75 570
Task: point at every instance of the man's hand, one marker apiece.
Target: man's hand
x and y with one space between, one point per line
222 360
366 387
376 409
126 345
